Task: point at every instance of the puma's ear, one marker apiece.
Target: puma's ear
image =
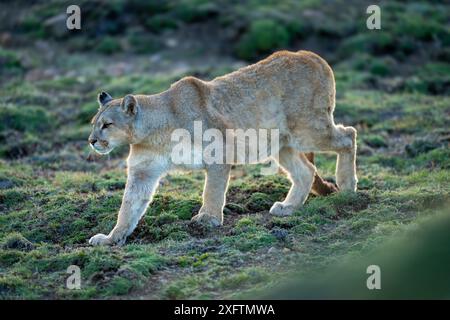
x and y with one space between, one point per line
104 98
129 105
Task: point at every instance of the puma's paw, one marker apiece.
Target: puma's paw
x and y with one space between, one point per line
207 219
100 240
348 184
280 209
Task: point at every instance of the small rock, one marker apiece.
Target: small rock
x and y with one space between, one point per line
171 42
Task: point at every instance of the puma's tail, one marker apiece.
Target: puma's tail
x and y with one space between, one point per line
320 186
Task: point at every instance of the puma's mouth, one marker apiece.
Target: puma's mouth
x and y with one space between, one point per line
101 150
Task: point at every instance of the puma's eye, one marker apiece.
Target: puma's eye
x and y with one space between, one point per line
106 125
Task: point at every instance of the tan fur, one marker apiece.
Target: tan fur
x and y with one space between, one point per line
290 91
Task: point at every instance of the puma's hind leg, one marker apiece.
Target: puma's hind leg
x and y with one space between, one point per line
344 140
301 173
341 140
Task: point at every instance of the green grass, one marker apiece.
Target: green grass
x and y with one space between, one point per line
263 36
10 61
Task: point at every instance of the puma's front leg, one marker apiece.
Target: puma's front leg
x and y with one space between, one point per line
141 184
214 193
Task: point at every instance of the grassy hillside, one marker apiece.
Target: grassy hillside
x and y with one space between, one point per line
392 85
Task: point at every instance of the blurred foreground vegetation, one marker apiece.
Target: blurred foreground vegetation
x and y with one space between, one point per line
392 85
413 265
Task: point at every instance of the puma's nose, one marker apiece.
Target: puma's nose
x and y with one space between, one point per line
92 141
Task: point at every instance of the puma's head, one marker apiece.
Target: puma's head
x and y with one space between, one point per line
114 123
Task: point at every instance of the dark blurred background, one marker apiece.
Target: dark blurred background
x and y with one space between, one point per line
413 33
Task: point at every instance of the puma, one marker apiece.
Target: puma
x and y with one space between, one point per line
293 92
